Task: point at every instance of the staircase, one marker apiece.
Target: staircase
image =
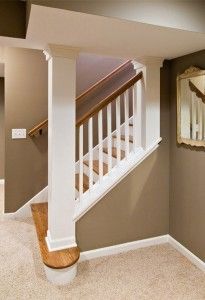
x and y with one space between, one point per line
113 137
117 148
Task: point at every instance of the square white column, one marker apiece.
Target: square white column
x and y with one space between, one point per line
61 146
150 107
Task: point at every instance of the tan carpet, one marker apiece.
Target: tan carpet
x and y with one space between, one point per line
158 272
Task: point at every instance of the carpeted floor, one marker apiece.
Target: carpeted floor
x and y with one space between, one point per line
158 272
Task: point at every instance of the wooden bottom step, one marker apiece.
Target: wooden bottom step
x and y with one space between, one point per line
56 259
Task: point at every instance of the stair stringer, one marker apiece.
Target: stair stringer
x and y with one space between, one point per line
99 190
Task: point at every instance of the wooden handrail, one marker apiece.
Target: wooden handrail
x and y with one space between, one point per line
104 79
198 93
38 128
108 99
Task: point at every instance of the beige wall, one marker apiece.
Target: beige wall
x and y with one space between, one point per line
25 106
187 205
138 207
2 143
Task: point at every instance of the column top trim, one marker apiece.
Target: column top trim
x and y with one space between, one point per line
148 60
61 51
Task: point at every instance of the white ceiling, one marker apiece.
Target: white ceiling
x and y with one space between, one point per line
110 36
105 35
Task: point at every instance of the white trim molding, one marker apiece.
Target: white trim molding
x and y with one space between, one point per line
187 253
25 210
59 244
120 248
2 181
61 276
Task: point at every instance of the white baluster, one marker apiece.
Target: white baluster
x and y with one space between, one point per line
137 115
118 130
193 117
100 142
126 109
90 150
80 162
109 136
203 106
199 119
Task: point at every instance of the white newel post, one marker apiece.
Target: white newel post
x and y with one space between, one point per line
61 146
148 90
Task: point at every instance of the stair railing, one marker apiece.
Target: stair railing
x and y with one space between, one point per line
129 93
38 129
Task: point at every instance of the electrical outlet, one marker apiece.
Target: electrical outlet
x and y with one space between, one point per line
18 133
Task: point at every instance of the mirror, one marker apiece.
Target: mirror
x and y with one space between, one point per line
191 107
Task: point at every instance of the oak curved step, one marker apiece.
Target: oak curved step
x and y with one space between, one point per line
56 259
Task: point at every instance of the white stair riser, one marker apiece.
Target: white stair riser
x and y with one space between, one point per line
105 159
131 130
122 144
86 172
76 193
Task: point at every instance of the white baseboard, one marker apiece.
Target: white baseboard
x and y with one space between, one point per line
2 181
25 210
96 253
120 248
188 254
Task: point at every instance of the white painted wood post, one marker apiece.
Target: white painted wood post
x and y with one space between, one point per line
137 112
61 146
150 106
109 136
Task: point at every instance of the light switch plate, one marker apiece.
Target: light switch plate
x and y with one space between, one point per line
18 133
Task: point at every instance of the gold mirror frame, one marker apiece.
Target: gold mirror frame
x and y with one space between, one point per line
189 73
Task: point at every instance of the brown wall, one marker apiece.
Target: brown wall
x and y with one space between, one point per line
138 207
25 106
13 18
91 68
187 205
2 143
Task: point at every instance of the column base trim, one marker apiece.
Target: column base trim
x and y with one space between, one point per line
59 244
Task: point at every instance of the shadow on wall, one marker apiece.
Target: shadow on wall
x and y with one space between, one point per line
136 208
39 142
